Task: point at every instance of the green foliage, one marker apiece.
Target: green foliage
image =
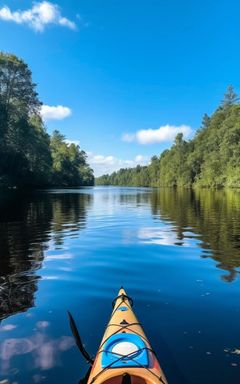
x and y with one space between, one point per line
210 160
28 156
24 146
130 176
69 163
230 97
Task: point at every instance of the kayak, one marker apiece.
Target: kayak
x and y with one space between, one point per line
125 355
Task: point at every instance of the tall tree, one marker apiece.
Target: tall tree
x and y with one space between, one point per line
27 158
205 121
18 96
19 103
230 97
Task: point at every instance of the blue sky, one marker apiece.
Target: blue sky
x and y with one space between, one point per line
129 74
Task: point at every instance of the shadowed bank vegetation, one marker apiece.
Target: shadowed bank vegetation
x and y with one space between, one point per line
29 156
211 159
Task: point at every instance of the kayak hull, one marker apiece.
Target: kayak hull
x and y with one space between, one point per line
125 350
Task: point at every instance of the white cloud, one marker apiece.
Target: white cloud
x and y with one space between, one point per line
38 17
108 164
58 112
129 137
163 134
140 159
69 142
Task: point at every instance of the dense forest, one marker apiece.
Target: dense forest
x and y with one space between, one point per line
211 159
29 156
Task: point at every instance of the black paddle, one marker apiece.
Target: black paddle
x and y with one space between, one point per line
78 340
84 380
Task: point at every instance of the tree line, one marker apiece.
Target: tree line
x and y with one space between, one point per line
210 160
29 156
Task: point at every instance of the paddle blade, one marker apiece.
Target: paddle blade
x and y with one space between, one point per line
78 339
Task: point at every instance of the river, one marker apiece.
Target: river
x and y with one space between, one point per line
177 254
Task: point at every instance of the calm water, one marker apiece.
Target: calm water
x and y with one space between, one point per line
176 253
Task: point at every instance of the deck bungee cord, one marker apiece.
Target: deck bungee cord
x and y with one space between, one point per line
123 357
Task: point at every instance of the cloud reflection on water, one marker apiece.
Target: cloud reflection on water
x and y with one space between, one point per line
162 236
44 351
7 327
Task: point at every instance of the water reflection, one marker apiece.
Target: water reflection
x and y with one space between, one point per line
213 216
29 224
83 244
162 236
42 350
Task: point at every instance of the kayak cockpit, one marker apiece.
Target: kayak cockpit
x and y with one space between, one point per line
125 379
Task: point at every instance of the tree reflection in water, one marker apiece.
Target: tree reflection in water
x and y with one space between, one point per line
27 224
214 216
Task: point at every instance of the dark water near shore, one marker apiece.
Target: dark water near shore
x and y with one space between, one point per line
177 253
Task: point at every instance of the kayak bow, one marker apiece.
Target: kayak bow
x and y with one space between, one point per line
125 355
